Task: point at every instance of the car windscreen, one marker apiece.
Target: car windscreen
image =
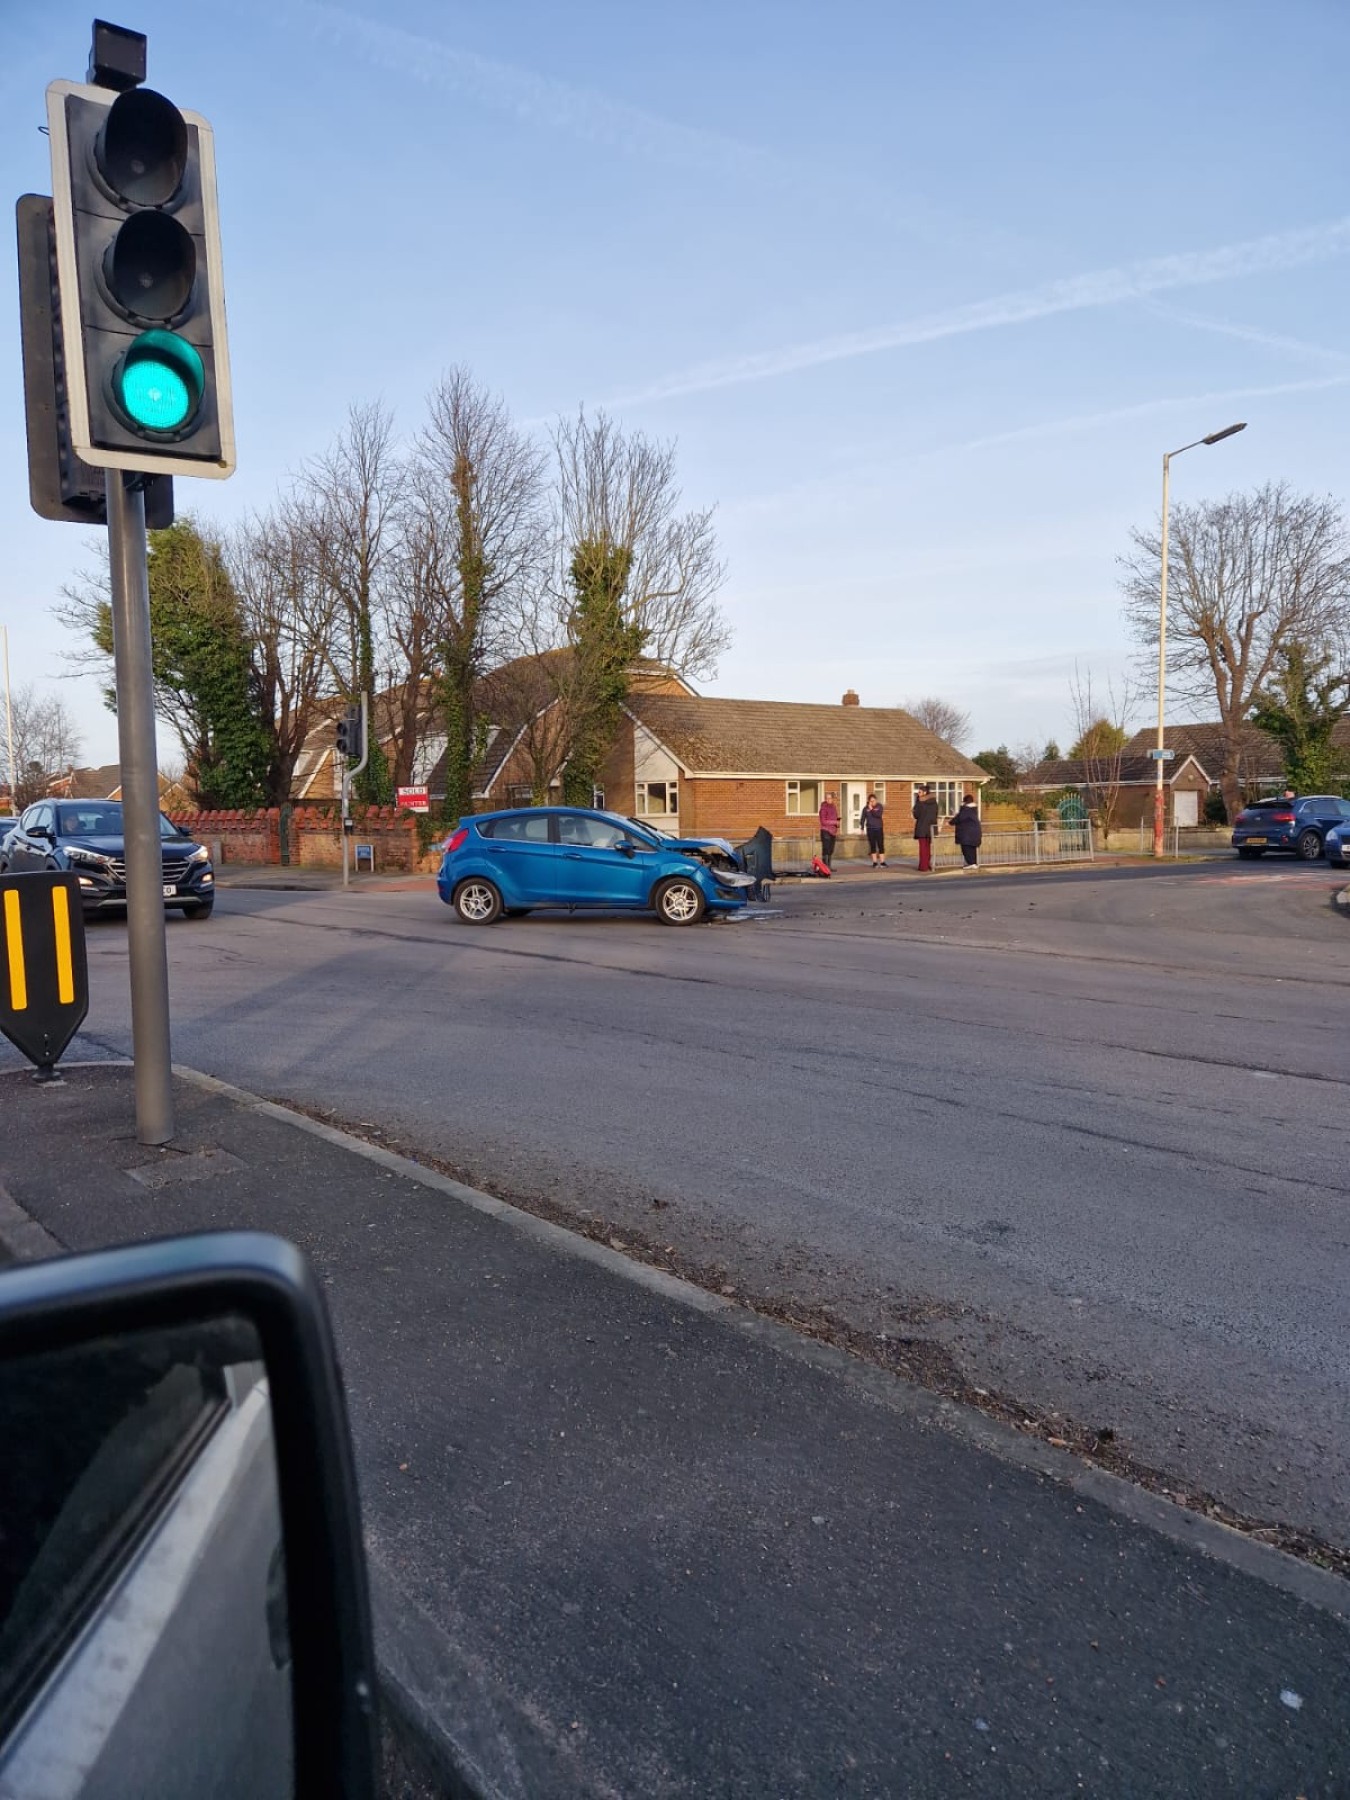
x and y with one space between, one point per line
96 819
640 834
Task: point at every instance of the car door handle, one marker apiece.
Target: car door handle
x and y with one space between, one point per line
573 855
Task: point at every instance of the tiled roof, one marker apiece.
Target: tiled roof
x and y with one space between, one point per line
1261 757
1102 771
780 737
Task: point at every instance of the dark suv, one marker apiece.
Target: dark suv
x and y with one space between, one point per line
1298 825
85 836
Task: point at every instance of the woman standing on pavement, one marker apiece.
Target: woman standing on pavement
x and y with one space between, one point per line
874 824
965 822
925 825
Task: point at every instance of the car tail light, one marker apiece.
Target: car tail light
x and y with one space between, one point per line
1282 818
457 838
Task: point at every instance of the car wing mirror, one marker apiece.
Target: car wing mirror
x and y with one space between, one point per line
183 1599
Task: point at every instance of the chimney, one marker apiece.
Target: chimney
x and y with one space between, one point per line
851 699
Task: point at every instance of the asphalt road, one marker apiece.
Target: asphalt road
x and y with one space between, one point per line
1082 1133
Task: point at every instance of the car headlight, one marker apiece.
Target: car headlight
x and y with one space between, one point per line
200 855
87 859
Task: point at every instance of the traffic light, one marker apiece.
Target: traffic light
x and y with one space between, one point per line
60 485
349 734
138 265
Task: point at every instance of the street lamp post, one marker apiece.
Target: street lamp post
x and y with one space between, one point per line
1159 803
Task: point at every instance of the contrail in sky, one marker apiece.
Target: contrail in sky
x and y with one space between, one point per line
1074 293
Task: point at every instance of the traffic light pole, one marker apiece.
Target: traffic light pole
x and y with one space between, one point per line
347 775
134 672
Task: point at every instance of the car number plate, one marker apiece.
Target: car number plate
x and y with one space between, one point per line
170 889
1256 840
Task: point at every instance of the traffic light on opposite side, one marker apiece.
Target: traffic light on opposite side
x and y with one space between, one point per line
349 734
139 271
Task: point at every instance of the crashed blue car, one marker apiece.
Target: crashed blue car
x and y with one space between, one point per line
505 864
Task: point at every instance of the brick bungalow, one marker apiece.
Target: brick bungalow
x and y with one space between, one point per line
723 768
1185 785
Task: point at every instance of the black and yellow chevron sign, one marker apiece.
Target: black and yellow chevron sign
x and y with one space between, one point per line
44 974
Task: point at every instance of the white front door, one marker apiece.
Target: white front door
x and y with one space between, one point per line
855 799
1185 807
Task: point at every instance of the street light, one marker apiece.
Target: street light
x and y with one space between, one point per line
1159 807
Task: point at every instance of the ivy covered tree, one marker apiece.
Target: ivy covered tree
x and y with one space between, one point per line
606 642
1301 708
205 686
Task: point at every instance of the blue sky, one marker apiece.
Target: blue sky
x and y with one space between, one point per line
924 293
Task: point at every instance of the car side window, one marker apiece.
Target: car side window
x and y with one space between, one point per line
527 828
78 1500
594 834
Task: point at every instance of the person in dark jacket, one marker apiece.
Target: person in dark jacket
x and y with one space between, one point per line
874 824
969 831
829 829
925 825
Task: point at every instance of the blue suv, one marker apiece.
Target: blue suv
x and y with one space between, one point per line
85 836
503 865
1296 825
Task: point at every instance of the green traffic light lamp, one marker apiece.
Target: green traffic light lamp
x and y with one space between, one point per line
159 382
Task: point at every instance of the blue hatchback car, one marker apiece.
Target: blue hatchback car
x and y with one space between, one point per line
1337 845
1298 825
505 864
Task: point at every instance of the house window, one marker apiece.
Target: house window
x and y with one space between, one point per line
803 797
598 799
948 795
658 799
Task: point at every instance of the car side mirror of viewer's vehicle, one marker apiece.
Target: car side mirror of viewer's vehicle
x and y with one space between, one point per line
183 1603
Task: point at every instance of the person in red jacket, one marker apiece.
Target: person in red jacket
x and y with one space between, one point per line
829 829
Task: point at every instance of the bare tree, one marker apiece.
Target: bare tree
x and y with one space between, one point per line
473 554
1102 731
351 502
291 613
1247 577
619 490
46 743
941 717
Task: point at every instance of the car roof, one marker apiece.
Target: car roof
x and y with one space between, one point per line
517 812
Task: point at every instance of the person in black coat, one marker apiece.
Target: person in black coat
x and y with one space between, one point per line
969 831
925 825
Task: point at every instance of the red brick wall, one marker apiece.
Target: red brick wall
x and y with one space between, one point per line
240 837
316 837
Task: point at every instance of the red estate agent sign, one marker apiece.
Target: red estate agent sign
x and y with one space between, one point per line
413 799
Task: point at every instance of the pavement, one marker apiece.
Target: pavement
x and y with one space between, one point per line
628 1536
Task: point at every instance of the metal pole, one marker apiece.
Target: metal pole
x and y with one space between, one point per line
140 810
1159 806
9 729
342 825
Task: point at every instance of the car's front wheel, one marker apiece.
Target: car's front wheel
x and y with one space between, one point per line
1309 846
679 901
202 910
477 902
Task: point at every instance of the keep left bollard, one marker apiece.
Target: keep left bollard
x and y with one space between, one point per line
44 972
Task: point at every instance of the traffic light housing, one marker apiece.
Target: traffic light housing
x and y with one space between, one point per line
349 734
139 272
60 485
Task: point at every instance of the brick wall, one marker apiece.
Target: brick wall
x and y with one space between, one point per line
235 837
316 837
